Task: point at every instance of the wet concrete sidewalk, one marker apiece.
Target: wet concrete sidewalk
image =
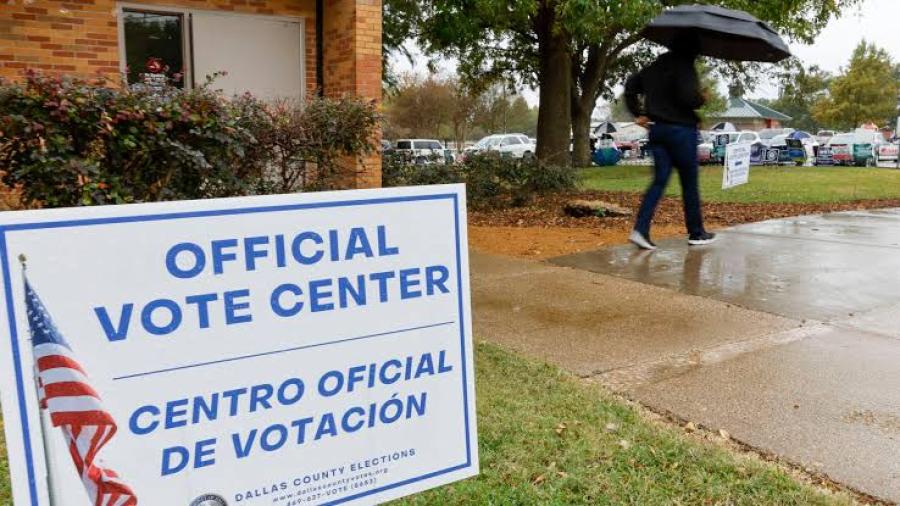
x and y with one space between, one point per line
785 333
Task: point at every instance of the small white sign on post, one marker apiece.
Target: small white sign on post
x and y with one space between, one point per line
285 350
737 165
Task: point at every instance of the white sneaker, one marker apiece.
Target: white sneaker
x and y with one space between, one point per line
639 240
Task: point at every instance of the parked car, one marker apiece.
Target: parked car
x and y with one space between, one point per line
855 148
788 150
887 151
823 136
423 151
841 145
722 139
629 149
767 134
512 145
705 147
796 147
704 153
748 137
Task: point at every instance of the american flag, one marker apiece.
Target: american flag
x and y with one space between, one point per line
74 407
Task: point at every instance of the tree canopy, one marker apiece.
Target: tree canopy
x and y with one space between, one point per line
448 109
866 90
800 88
575 51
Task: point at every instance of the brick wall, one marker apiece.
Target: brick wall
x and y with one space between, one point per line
352 31
80 37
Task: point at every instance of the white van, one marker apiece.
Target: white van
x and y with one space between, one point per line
422 151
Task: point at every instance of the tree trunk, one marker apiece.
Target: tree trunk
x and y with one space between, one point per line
588 80
554 77
581 136
587 77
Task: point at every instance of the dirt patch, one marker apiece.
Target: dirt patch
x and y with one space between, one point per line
547 211
547 242
542 230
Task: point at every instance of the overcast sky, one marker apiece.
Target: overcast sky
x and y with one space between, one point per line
877 21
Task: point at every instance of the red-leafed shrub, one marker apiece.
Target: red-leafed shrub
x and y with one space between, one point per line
69 142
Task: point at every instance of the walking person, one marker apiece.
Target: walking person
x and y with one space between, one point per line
665 96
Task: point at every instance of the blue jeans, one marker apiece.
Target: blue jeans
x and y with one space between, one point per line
673 144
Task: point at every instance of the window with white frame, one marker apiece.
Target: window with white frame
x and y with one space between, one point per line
263 55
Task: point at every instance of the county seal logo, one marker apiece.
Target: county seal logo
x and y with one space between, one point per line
209 500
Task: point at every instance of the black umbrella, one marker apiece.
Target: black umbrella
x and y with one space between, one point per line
721 33
605 128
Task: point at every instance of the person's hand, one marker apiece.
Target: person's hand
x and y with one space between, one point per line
642 121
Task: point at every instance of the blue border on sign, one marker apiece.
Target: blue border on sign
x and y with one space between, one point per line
10 309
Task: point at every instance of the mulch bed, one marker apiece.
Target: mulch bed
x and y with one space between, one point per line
547 211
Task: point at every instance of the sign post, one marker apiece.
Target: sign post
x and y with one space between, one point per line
897 132
284 350
737 165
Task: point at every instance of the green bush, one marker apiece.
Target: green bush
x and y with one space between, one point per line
308 146
69 142
400 171
491 180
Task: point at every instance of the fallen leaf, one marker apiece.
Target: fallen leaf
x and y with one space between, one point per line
724 433
560 429
612 427
538 480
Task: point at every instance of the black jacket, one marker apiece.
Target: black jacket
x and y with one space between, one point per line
670 89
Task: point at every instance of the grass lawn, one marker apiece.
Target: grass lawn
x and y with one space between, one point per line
524 460
544 440
767 184
5 491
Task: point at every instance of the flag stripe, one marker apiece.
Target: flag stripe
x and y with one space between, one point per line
69 389
57 361
43 350
78 417
78 403
74 406
61 374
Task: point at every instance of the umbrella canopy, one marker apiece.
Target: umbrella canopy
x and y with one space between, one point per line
724 127
605 128
799 135
721 33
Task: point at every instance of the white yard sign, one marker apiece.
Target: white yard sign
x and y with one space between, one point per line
737 165
283 350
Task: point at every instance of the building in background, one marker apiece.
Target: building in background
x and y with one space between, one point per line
271 48
747 115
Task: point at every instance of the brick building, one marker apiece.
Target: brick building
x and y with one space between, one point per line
746 115
272 48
